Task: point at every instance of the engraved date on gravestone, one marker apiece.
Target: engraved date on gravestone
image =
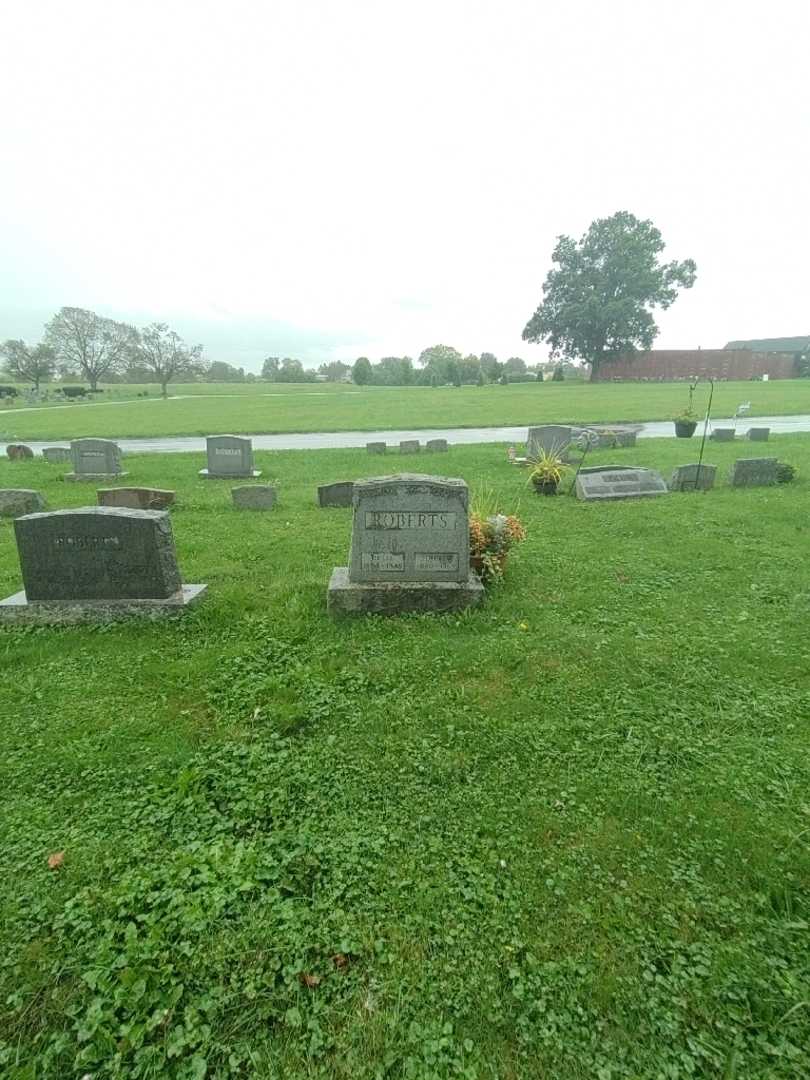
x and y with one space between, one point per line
435 561
382 560
409 519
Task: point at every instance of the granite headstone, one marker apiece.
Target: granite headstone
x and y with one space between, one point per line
254 497
96 563
759 434
56 455
697 477
436 446
14 502
94 459
229 456
754 472
409 446
136 498
339 494
410 548
723 434
376 447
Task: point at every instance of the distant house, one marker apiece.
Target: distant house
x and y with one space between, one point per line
796 346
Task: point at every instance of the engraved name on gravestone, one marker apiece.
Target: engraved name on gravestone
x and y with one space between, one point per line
93 458
610 482
754 472
229 456
410 528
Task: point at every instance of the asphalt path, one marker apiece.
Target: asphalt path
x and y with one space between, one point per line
337 440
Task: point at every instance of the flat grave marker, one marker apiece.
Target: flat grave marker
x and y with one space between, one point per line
605 482
136 498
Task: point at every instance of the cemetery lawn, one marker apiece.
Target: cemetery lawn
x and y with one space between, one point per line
564 836
210 409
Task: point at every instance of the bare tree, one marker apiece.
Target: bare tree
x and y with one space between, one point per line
89 343
165 355
27 363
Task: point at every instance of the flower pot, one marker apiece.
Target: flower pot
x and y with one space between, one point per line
545 487
685 429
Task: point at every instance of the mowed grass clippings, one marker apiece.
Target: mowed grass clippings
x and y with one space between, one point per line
561 836
217 408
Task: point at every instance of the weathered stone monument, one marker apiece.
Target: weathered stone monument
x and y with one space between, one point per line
436 446
56 455
254 497
410 548
339 494
14 502
409 446
759 434
550 438
693 477
754 472
376 447
723 434
136 498
96 564
18 452
604 482
229 456
94 459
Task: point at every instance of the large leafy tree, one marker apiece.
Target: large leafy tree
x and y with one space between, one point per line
441 363
28 363
361 371
90 344
598 298
165 355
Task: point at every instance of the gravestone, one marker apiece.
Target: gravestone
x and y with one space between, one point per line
94 459
610 438
229 456
693 477
96 564
436 446
605 482
14 502
551 438
56 455
339 494
754 472
376 447
410 548
759 434
254 497
136 498
723 434
18 452
409 446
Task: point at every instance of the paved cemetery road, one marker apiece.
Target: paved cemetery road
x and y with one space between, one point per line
337 440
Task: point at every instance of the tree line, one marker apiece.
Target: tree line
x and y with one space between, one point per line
440 365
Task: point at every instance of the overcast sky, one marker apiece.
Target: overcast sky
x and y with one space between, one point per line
330 178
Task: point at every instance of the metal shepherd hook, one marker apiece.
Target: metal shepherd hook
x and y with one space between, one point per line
705 429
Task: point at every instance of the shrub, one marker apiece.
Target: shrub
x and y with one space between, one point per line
785 472
74 391
8 391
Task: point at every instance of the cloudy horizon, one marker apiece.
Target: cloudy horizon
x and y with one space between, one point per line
327 181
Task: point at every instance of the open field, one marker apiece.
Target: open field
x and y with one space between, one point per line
208 409
563 836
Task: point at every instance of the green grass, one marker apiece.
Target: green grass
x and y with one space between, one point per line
563 836
217 408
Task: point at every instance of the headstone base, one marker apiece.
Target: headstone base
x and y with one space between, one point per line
206 475
95 478
18 609
395 598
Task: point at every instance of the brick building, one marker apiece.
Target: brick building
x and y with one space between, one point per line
670 365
